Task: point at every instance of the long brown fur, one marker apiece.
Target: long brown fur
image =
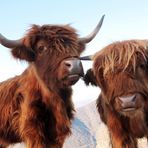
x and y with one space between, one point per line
121 69
36 106
120 56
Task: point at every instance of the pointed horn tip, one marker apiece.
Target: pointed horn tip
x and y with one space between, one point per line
103 16
88 38
101 20
2 38
100 23
9 43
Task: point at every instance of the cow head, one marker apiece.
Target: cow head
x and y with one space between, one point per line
54 51
121 71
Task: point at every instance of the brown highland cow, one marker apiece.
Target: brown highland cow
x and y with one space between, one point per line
121 72
36 106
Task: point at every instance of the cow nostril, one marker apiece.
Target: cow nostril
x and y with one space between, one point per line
67 64
134 99
73 66
128 99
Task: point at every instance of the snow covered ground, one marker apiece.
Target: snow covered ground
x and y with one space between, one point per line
88 131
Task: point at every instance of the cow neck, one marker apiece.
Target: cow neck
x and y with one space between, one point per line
50 99
62 93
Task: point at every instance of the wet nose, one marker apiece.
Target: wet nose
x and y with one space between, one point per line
74 66
128 100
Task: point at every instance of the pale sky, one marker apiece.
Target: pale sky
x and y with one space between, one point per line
125 19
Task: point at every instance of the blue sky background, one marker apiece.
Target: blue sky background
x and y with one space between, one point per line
125 19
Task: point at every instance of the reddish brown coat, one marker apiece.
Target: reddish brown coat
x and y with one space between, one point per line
36 106
121 72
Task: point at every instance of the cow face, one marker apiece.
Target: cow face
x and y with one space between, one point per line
55 51
66 66
121 70
61 57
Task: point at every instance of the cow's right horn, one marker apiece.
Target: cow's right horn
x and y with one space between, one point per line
10 43
89 37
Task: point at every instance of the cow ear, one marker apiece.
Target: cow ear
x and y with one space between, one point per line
26 50
81 47
23 53
89 78
100 78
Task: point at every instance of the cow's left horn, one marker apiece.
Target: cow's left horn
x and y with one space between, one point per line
10 43
86 57
88 38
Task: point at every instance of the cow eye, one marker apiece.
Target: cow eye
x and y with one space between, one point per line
142 66
41 49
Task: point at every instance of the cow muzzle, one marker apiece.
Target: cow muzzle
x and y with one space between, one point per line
74 69
130 102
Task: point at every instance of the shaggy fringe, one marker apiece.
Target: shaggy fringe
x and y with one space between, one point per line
119 55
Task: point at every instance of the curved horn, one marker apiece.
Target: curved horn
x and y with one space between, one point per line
89 58
88 38
10 43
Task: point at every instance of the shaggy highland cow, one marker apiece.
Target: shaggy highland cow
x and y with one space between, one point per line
121 72
36 106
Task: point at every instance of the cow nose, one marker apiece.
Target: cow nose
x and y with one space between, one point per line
128 100
74 66
68 64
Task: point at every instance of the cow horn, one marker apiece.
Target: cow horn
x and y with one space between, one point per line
88 38
89 58
10 43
